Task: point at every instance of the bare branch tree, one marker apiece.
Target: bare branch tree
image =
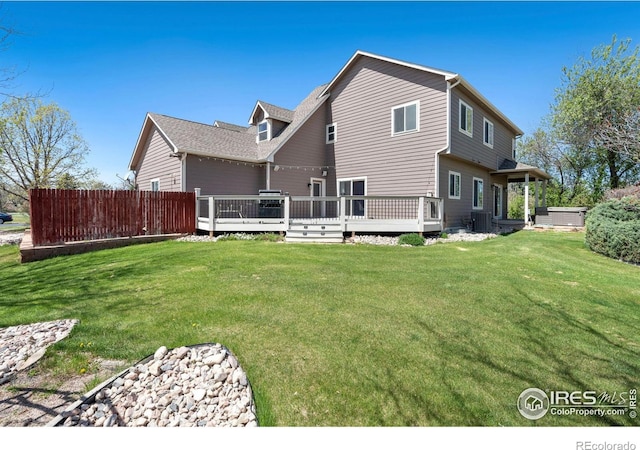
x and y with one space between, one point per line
621 134
39 145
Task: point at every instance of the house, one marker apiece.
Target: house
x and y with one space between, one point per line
380 127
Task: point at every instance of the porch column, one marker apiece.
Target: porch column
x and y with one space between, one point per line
526 198
535 187
268 186
197 191
544 193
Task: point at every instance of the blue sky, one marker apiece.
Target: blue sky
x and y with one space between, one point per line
109 63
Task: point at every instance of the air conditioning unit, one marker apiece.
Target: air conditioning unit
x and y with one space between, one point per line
481 221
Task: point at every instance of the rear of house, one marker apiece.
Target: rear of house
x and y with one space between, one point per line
380 127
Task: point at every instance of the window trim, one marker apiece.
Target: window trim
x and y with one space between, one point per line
477 205
335 133
267 130
151 182
485 121
468 108
405 131
352 203
459 177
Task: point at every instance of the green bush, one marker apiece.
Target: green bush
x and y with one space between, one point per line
613 229
411 239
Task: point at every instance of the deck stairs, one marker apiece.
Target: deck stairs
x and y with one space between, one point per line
321 233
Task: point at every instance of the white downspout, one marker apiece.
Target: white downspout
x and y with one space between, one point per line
448 144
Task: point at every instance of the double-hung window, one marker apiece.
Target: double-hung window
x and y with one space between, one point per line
353 187
332 133
488 133
405 118
155 185
478 193
454 185
466 119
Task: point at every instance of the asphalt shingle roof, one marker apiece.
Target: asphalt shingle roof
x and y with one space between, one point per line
230 141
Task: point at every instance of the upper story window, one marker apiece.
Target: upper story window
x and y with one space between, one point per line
332 133
466 119
405 118
488 133
263 131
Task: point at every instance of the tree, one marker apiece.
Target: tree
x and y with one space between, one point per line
595 112
39 147
568 167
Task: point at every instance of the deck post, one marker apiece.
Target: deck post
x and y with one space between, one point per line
212 215
343 217
287 214
197 190
421 215
526 199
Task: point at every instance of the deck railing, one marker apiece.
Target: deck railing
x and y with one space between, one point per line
224 213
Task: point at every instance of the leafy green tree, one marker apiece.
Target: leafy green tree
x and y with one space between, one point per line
594 108
39 145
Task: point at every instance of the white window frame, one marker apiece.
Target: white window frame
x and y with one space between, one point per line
334 133
393 121
459 178
157 182
469 123
267 131
477 202
487 138
350 206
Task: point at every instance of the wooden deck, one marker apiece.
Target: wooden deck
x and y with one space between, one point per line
315 215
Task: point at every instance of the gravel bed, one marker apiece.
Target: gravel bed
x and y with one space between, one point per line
363 239
22 345
10 238
198 386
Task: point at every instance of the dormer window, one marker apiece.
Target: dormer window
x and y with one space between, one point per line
263 131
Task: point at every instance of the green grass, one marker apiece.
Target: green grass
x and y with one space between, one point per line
344 335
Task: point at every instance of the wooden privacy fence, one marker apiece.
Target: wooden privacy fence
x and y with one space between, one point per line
60 215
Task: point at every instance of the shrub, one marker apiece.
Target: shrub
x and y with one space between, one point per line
411 239
613 229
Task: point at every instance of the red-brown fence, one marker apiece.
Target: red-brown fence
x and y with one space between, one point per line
60 215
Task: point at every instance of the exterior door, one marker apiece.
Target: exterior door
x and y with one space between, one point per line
317 189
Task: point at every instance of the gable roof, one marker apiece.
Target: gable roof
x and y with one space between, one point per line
454 78
271 112
223 140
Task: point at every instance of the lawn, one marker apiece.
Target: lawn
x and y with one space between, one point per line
345 335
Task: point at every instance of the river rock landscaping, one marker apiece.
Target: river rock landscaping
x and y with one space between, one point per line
186 387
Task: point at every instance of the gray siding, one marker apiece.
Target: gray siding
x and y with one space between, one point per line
361 104
213 176
302 157
456 212
157 164
473 148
